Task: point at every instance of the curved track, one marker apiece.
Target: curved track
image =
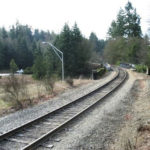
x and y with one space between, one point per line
35 133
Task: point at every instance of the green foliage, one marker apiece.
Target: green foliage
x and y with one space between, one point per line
141 68
52 63
127 23
98 45
46 64
115 50
126 43
76 50
2 54
132 50
118 63
13 66
39 68
28 70
99 72
23 44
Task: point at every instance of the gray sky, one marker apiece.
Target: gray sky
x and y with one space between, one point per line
90 15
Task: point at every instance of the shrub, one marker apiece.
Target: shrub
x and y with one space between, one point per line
28 70
69 81
39 68
99 72
118 63
141 68
49 84
15 91
13 66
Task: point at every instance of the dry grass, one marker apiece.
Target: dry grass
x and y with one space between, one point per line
37 91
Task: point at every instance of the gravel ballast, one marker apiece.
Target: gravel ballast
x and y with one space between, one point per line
96 128
18 118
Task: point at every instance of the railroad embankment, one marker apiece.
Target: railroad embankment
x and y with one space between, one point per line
135 132
120 123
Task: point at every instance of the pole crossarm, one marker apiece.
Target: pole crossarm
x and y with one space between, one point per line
56 52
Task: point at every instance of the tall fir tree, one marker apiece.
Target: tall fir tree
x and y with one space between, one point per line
127 23
98 45
132 26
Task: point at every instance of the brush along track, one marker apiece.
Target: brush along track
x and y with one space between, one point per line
33 134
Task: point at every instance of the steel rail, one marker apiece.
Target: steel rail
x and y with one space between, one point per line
43 138
11 132
35 143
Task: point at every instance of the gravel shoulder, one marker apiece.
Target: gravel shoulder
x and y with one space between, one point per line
135 132
18 118
97 128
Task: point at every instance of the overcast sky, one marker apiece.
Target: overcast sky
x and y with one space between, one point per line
90 15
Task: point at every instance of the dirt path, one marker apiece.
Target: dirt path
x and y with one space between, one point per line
135 133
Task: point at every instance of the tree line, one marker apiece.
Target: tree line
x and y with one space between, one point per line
126 42
20 44
24 45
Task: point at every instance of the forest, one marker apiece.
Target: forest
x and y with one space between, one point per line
126 43
22 47
23 44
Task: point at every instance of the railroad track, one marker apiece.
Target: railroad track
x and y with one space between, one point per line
35 133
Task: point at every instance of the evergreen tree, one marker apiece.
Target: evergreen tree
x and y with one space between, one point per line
2 56
132 26
127 23
118 27
70 41
98 45
23 45
63 42
76 39
4 33
94 40
39 68
132 50
13 66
